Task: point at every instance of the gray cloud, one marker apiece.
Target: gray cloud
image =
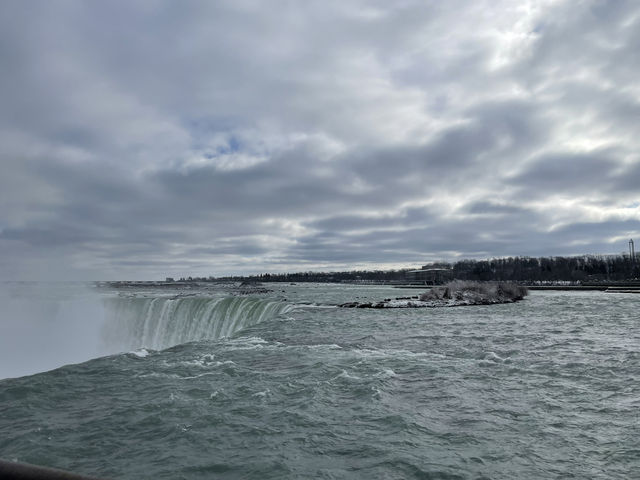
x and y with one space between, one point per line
568 173
144 139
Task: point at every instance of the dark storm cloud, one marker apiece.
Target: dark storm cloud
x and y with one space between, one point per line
155 138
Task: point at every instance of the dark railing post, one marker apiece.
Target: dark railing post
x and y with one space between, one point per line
22 471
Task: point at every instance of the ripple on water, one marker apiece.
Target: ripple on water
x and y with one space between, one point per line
535 390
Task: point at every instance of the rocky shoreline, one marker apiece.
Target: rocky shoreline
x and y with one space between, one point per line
453 294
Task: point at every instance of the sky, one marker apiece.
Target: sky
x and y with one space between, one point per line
144 139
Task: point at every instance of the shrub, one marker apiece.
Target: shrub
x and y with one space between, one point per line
481 292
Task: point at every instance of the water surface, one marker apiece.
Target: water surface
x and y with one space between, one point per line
544 388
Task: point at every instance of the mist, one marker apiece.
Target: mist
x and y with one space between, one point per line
46 325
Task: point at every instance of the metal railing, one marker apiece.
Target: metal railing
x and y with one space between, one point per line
23 471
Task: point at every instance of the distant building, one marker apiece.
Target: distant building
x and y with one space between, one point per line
429 275
169 279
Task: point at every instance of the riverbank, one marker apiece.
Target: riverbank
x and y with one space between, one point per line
620 288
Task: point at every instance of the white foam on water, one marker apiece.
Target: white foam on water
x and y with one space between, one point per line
316 305
331 346
494 357
345 375
201 363
141 352
387 373
392 353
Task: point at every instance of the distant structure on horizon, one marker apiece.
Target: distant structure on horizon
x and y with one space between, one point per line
632 251
434 274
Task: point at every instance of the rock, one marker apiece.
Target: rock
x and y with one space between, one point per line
456 293
349 305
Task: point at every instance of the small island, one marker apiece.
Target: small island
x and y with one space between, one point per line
453 294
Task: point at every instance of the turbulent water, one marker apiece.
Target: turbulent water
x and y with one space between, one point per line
281 385
159 323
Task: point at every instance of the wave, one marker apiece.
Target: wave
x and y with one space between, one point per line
159 323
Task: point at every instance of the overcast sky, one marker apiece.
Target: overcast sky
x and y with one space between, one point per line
149 139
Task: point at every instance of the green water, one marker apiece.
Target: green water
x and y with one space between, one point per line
545 388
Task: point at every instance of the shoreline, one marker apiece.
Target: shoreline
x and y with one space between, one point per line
608 287
629 288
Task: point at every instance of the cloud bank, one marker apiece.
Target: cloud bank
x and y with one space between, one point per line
148 138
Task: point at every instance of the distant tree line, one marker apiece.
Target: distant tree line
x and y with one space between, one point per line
350 276
582 269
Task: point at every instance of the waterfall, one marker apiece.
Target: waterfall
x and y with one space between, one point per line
159 323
